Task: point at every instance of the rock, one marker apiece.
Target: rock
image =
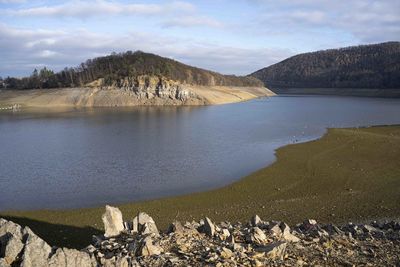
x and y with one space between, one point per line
274 250
36 252
275 230
256 236
308 224
70 258
208 227
3 263
148 248
225 234
11 248
255 220
175 227
286 234
144 224
226 253
113 223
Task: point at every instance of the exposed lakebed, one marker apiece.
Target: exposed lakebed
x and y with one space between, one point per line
89 157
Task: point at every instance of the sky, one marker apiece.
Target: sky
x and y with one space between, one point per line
231 37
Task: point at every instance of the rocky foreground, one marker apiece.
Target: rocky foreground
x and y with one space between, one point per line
256 243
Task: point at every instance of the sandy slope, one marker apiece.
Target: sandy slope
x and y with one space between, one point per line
92 97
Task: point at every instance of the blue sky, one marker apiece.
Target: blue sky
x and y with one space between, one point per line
231 37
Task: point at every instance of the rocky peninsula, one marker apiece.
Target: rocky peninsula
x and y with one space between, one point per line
138 242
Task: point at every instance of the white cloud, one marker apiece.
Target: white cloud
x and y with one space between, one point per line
83 9
11 1
366 20
21 50
192 21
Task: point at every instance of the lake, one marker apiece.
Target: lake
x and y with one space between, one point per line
90 157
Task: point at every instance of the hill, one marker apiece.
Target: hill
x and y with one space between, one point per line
364 67
115 68
128 79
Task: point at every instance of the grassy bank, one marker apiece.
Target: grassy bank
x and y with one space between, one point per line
349 174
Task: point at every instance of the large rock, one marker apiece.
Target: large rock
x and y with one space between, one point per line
11 228
144 224
11 248
274 250
113 223
36 252
256 236
148 248
255 220
71 258
208 227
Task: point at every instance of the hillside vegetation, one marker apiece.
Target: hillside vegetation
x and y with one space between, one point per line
116 67
366 66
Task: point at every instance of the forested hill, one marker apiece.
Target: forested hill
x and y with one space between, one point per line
367 66
115 67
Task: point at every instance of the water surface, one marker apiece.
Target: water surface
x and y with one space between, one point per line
89 157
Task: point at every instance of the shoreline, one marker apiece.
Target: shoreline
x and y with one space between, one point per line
189 95
292 188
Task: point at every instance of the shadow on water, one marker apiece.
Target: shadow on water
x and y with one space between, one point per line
58 234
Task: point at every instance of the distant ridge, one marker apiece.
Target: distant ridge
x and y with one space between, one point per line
375 66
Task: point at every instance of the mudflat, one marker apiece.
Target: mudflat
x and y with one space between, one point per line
350 174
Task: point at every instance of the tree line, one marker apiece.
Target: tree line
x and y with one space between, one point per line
365 66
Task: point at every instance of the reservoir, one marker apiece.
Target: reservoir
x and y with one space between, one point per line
89 157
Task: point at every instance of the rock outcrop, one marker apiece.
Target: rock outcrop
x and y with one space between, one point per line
149 87
206 243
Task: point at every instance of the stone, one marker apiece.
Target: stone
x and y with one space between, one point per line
36 252
225 234
226 253
286 234
275 230
113 223
70 258
12 249
256 236
148 248
3 263
176 227
144 224
255 220
275 250
208 227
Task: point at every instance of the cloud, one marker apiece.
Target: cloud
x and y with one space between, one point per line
83 9
22 50
366 20
192 21
11 1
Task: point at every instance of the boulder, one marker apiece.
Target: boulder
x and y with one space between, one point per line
256 236
144 224
255 220
71 258
113 223
208 227
11 248
148 248
12 228
176 227
275 250
36 252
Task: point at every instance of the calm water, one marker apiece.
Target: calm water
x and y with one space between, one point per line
91 157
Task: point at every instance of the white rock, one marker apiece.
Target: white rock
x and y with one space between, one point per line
144 224
113 223
36 252
208 227
70 258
